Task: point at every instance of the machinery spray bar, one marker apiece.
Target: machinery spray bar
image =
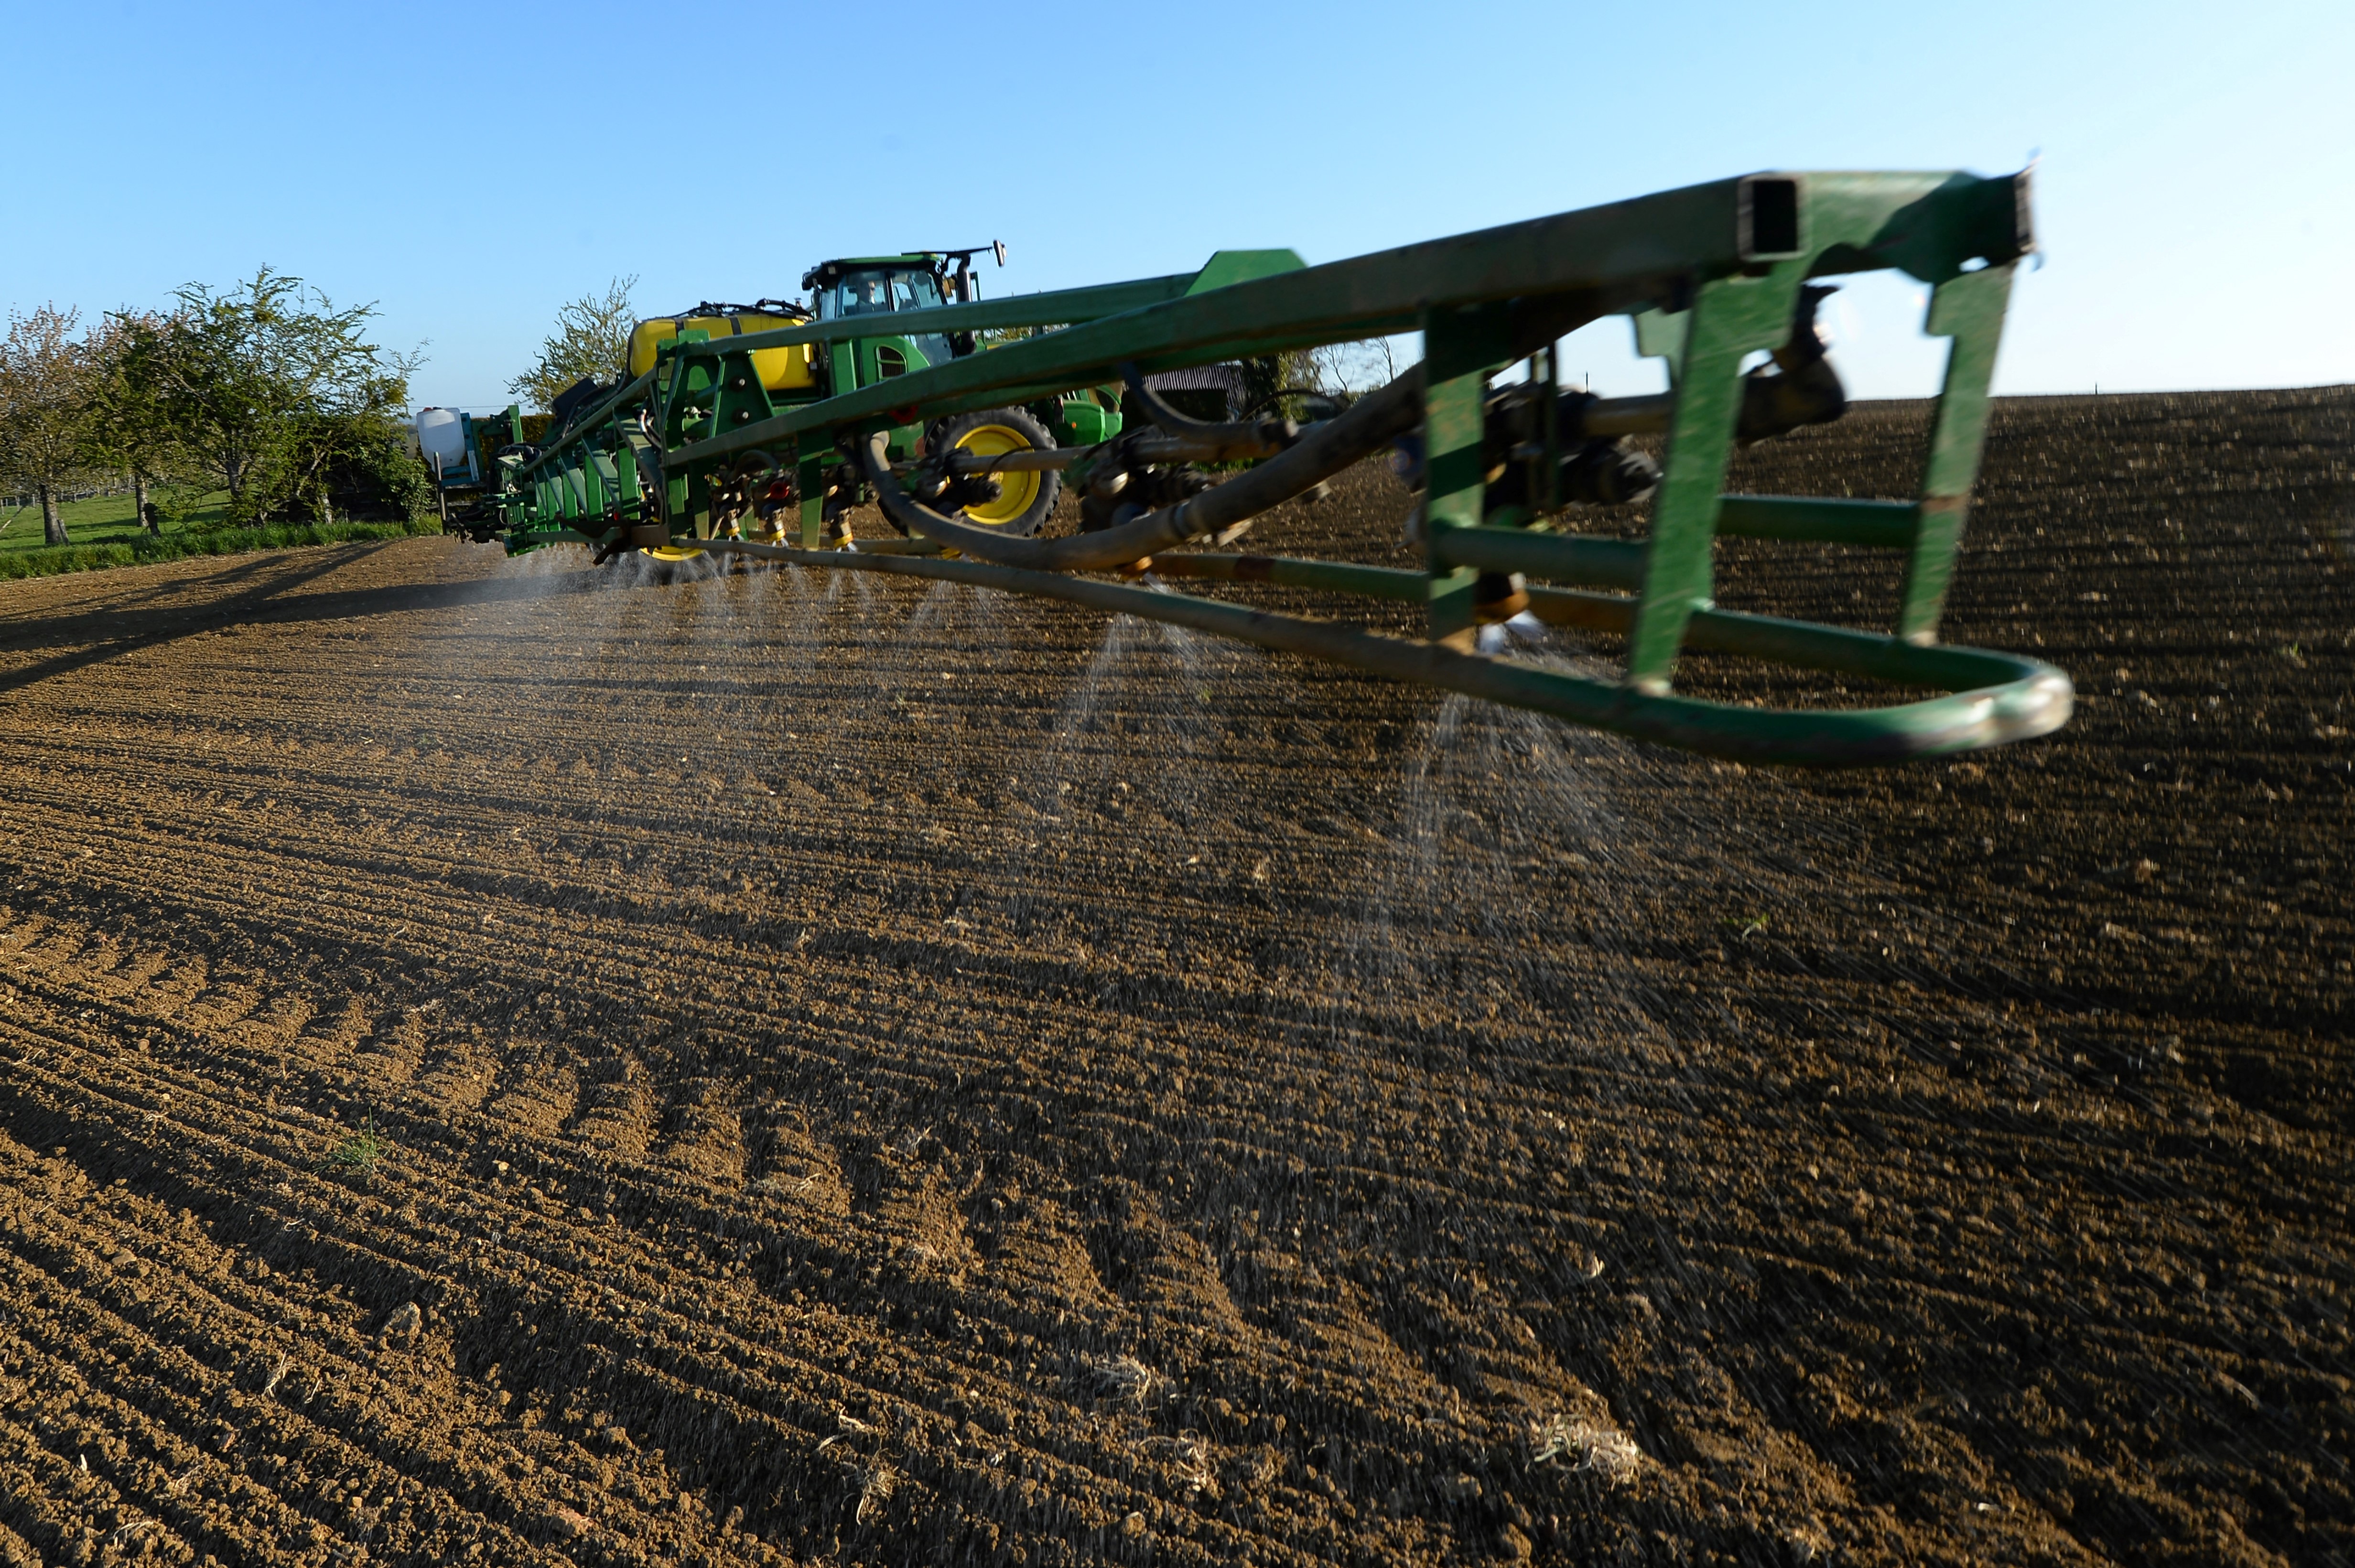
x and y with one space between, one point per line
1137 449
2010 698
1602 417
1722 270
1553 274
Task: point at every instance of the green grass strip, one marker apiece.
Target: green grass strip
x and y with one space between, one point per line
59 559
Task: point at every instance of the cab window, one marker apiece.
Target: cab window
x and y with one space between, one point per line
875 292
915 291
860 293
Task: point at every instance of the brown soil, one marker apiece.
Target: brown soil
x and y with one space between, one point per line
500 1064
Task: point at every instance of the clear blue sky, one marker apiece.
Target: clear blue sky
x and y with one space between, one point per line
469 167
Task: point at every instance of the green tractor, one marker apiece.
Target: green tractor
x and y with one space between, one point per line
1016 501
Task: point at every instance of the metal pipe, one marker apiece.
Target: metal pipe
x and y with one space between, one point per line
896 546
1548 487
588 424
1326 451
1246 437
1028 461
1885 525
1832 649
1612 563
1136 449
2024 699
1620 563
1604 417
1291 571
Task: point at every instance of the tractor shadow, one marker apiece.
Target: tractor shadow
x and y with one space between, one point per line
261 592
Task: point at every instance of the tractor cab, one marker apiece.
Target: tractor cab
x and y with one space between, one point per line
883 285
874 286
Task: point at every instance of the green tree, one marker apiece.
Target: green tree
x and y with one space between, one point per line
1268 376
591 341
130 424
268 384
357 456
45 408
1347 370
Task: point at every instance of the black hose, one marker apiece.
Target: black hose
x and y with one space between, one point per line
1277 396
1322 450
1275 433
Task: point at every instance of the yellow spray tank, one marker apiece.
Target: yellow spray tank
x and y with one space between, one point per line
791 368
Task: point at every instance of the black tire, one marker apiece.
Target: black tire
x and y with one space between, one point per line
1029 498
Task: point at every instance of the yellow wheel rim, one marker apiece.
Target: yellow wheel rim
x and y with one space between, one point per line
1016 491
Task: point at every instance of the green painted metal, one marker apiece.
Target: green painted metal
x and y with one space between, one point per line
1886 525
1660 334
738 397
814 456
1967 309
1709 274
1287 571
1568 558
1085 423
1462 349
1731 317
1228 268
1800 642
1584 265
2001 698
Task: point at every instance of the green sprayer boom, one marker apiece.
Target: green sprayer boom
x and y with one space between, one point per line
749 433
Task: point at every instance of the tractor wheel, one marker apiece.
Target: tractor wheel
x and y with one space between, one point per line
675 563
1025 499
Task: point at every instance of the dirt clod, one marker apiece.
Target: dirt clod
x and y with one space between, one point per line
406 1321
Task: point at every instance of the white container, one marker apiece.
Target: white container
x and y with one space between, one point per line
442 441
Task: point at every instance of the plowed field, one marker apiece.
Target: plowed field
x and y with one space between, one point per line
506 1063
